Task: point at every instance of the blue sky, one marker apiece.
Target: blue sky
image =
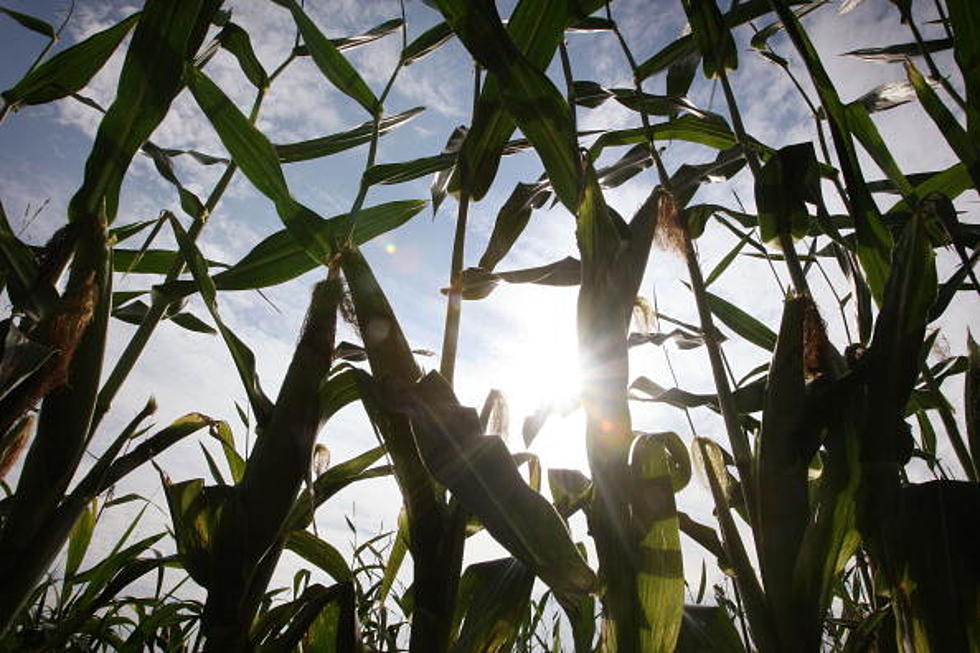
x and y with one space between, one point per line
522 338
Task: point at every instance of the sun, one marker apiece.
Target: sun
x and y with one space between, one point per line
542 375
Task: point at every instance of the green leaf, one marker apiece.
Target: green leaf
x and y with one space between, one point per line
30 22
332 63
71 69
659 467
396 556
710 131
955 135
332 481
373 34
334 143
708 629
742 323
164 39
499 595
426 43
236 40
194 510
899 52
20 271
396 173
708 456
480 471
532 35
861 125
150 261
685 46
134 313
257 158
322 554
781 472
760 38
511 220
439 187
80 538
526 92
965 20
280 258
787 181
712 37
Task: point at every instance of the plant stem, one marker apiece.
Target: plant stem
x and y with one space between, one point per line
158 306
454 300
726 401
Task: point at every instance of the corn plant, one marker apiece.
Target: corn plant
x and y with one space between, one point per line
826 542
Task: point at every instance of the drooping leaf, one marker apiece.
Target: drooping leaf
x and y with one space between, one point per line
320 553
511 220
237 41
957 137
478 283
742 323
483 477
499 594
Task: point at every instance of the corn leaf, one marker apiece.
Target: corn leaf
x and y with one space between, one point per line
334 143
482 475
957 137
742 323
164 39
781 474
873 240
332 63
532 36
320 553
971 398
71 69
526 93
706 629
426 43
499 595
712 37
237 41
660 466
899 52
30 22
965 20
257 158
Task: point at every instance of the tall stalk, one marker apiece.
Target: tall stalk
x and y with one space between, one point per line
454 300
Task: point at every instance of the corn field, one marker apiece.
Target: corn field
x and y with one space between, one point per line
776 393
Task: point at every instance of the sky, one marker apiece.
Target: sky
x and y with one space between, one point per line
522 338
